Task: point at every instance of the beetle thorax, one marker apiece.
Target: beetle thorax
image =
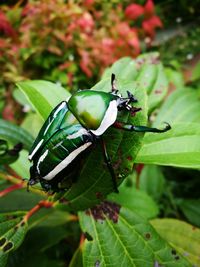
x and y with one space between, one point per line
95 110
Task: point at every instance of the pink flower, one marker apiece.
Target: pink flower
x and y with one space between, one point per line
149 8
86 23
150 22
134 11
6 26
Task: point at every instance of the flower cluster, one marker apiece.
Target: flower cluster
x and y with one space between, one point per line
68 40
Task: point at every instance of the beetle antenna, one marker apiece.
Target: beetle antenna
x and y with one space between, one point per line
113 83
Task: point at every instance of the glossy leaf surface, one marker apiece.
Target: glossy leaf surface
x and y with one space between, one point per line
43 95
187 244
136 200
178 147
122 238
14 134
182 105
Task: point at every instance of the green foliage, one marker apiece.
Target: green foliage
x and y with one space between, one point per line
178 148
191 210
152 181
188 244
43 95
136 200
14 134
12 232
127 241
117 231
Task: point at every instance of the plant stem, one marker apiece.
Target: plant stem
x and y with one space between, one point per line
21 182
42 204
10 189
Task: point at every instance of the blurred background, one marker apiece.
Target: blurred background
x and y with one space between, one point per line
71 43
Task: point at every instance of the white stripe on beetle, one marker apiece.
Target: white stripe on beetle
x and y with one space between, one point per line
63 164
41 159
54 116
41 141
60 107
36 149
109 118
77 134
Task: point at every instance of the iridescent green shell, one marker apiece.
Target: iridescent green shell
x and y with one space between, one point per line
94 110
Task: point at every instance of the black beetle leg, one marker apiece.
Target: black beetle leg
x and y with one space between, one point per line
109 165
144 129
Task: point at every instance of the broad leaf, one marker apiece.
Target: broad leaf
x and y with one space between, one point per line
152 181
184 237
22 165
159 87
43 95
178 147
191 210
7 156
181 106
14 134
12 233
19 200
50 241
175 77
154 79
32 123
136 200
77 259
120 237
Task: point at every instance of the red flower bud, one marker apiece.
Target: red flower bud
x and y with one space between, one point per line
134 11
149 8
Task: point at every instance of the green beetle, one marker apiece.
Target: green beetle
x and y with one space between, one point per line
72 128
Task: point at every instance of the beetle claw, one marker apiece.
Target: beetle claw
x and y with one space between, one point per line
131 97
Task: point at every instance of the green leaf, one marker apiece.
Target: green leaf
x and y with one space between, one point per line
12 233
175 77
94 181
14 134
181 106
196 72
191 210
129 67
120 237
7 155
19 200
155 77
136 200
183 236
150 69
178 147
32 123
77 259
50 241
22 165
152 181
159 88
21 98
43 95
